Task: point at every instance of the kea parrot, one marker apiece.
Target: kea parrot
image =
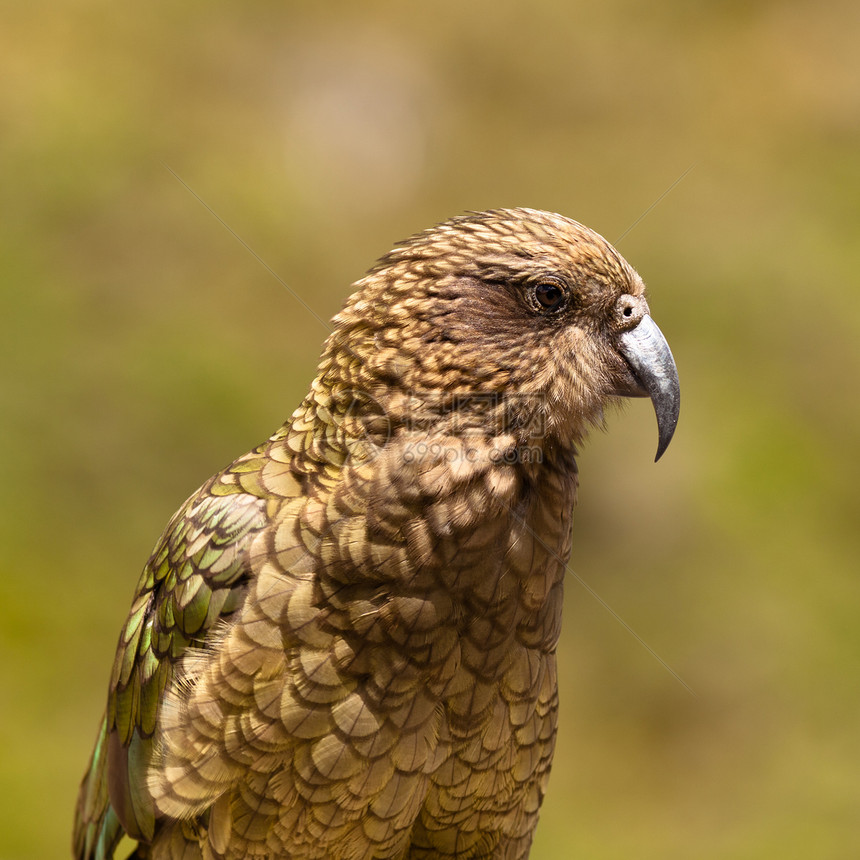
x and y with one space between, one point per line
343 646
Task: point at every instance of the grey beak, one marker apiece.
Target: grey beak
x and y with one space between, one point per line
651 360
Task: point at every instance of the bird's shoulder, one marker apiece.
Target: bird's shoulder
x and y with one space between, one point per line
197 574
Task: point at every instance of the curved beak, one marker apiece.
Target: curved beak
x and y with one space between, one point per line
650 359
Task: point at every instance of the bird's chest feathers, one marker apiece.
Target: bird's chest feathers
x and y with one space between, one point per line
454 539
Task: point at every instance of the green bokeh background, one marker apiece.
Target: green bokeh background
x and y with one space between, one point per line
144 347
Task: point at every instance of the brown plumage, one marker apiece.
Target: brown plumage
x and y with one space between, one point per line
343 646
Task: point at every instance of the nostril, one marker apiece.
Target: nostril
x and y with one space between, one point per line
629 309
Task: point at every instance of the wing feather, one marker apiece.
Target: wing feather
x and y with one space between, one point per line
196 575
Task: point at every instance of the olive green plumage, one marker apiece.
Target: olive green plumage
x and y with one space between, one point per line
343 645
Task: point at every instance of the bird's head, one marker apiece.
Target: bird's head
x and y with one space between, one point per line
514 320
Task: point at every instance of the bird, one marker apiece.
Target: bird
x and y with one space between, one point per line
343 645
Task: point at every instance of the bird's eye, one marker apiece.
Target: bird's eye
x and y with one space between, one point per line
549 296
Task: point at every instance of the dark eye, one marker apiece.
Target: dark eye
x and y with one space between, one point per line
549 296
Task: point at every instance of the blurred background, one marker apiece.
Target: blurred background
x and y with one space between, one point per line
158 162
